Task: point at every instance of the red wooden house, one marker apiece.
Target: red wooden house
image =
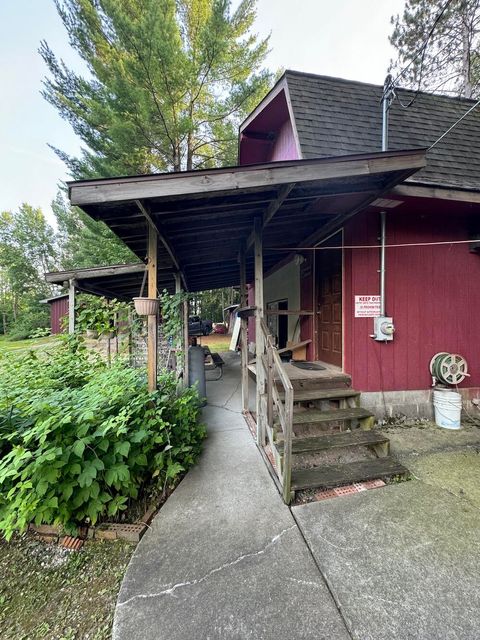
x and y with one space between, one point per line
302 219
431 291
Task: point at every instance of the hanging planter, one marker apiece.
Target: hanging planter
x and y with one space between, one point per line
146 306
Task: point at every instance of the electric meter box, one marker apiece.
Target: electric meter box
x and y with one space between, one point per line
383 329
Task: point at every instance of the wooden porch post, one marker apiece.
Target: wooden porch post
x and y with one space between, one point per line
152 320
185 343
178 289
259 341
243 329
71 306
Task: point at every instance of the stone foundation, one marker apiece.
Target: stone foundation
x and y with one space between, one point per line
413 404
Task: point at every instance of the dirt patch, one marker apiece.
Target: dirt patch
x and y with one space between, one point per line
423 437
49 592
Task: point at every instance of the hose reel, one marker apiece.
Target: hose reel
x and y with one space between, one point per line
448 368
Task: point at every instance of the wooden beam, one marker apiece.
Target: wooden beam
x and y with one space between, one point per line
438 193
339 220
232 180
71 306
244 329
287 312
95 272
259 340
152 336
161 237
186 344
272 209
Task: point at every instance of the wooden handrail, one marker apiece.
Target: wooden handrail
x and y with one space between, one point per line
272 365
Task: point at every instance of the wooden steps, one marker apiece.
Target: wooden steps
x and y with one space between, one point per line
341 439
335 475
332 437
318 417
311 395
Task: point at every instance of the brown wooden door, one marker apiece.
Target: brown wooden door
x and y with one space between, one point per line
329 306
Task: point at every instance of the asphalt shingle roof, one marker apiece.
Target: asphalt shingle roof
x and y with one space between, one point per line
336 117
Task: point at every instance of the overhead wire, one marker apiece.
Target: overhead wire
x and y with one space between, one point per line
372 246
421 51
445 133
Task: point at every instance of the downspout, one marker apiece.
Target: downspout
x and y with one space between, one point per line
388 95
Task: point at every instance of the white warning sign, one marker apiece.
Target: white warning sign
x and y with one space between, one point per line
367 306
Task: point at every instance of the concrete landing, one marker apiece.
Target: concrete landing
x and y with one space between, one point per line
403 562
224 558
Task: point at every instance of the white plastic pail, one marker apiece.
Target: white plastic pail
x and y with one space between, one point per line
448 408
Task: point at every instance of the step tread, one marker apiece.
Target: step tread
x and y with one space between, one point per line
333 440
322 394
316 415
336 475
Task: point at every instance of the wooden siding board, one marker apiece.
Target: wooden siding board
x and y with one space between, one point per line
285 147
58 310
430 292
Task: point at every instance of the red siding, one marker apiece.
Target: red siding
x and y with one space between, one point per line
431 292
285 147
274 119
58 309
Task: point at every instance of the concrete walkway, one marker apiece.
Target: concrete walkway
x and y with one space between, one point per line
224 557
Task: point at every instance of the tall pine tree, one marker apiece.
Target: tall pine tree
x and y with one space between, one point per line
168 82
450 60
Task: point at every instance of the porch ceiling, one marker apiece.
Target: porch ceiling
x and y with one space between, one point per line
203 217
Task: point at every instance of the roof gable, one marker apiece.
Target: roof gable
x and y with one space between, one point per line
336 117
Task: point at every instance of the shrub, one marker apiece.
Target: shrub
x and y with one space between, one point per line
28 322
79 439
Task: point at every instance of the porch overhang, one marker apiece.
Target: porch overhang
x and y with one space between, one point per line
122 281
204 218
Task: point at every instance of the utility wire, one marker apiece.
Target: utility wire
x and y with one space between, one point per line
420 52
371 246
445 133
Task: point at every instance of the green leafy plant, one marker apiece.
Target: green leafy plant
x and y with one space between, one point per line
79 440
98 314
171 307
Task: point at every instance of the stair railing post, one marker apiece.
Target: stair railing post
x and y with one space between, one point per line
287 447
259 333
244 330
270 383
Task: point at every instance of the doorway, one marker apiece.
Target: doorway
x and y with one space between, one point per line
278 324
328 278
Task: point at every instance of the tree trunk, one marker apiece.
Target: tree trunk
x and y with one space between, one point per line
466 81
189 152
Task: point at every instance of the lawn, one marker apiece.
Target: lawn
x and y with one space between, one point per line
23 345
49 592
216 342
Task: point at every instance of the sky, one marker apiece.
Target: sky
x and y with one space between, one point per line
342 38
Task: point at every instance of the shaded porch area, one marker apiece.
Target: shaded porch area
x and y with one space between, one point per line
227 227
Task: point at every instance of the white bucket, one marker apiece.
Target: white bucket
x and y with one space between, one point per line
448 408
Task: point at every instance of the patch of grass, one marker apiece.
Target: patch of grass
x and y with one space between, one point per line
49 592
25 345
216 342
